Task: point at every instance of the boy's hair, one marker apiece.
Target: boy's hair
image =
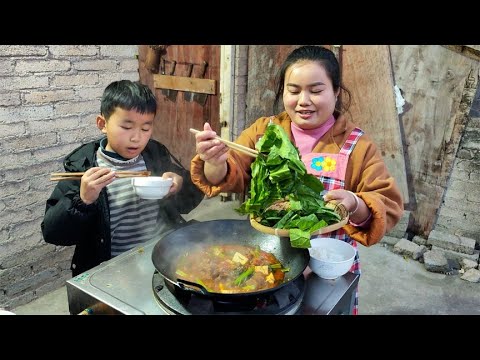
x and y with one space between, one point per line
128 95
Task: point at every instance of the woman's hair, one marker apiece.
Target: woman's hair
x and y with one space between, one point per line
128 95
325 58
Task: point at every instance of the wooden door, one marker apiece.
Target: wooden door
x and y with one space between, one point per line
367 73
175 118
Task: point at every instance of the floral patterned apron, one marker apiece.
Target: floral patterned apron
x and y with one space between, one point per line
331 169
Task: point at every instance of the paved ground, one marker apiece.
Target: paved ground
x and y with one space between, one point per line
390 284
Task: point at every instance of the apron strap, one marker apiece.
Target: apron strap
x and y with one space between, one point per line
352 139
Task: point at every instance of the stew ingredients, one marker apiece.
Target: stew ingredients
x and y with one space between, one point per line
231 269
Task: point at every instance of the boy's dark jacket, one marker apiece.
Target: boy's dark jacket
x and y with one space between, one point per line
68 221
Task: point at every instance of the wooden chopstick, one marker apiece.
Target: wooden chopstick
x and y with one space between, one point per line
240 148
78 175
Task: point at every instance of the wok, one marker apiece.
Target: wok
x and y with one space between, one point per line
167 251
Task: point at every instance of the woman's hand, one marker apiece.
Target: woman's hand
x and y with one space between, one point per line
211 150
214 153
357 208
93 181
176 184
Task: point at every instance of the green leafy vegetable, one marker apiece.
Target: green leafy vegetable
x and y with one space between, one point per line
280 174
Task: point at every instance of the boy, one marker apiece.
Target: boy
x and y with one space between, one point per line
101 214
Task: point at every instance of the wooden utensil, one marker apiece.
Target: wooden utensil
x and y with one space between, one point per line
78 175
237 147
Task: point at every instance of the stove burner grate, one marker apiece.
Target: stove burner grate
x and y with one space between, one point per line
285 300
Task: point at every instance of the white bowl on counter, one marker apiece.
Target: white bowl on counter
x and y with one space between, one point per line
151 187
330 258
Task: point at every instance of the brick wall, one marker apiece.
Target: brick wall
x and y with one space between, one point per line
459 213
49 98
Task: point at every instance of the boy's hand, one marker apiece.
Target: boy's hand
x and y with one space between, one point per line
177 182
93 181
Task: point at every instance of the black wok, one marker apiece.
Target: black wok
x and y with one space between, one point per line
167 251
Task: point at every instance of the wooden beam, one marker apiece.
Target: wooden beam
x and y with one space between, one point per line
471 51
182 83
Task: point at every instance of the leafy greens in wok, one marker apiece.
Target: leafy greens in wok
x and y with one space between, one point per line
278 174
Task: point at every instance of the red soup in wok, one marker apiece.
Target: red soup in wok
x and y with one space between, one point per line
231 268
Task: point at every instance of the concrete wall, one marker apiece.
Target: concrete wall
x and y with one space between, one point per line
459 214
49 98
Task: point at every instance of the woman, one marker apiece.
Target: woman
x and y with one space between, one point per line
351 168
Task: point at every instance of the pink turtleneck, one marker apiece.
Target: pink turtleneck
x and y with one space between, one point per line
306 140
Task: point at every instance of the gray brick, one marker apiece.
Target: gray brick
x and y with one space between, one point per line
39 97
34 197
474 123
21 299
14 217
18 114
453 213
73 50
90 65
129 65
464 154
12 188
59 260
472 275
24 82
399 230
16 160
451 242
467 165
58 124
118 51
461 175
107 78
25 229
450 254
22 50
31 282
419 240
405 247
27 142
12 275
454 195
457 185
29 256
435 261
80 135
57 152
59 281
89 93
390 240
10 99
75 80
41 182
12 129
77 108
473 198
469 229
30 66
6 67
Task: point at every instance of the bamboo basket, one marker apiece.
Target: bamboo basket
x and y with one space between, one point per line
338 208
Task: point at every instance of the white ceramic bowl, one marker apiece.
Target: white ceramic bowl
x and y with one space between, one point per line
330 258
151 187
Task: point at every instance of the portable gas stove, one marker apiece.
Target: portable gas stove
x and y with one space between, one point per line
129 284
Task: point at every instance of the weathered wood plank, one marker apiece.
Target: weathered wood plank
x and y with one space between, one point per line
438 85
368 75
264 61
183 83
